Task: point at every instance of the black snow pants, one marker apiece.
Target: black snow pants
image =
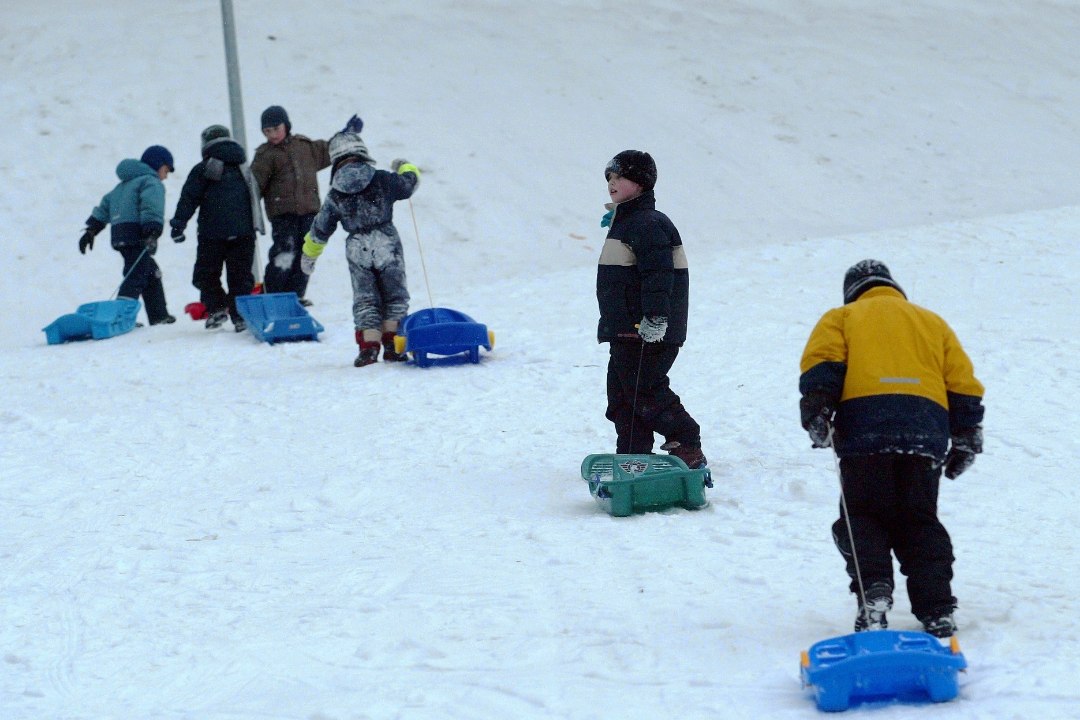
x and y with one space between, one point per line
641 403
236 255
283 273
143 279
892 503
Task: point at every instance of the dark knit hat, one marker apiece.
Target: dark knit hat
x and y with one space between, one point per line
864 275
214 132
275 115
155 156
633 165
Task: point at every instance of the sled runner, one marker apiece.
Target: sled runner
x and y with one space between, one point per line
881 665
442 332
277 317
628 484
97 320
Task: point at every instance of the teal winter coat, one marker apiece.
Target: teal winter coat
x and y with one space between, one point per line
135 207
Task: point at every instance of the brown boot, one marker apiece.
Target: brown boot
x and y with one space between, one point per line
390 354
692 456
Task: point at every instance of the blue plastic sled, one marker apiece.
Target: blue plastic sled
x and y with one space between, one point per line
881 665
443 332
97 320
277 317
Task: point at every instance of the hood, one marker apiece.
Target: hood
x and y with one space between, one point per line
352 178
226 150
131 168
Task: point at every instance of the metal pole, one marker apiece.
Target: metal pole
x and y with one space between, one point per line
232 65
236 103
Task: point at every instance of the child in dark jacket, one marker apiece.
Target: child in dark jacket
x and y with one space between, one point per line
136 210
224 191
361 199
643 286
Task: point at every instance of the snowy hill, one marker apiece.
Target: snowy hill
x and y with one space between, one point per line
197 525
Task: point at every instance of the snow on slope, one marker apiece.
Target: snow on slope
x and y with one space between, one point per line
200 526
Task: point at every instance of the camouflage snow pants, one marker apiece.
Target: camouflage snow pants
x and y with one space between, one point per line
377 267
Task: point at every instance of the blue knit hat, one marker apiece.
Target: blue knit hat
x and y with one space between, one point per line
156 155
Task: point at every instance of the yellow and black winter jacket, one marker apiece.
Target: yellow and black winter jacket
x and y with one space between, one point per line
895 373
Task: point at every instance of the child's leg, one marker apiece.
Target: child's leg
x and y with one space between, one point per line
632 432
206 276
366 315
239 256
920 541
143 280
388 260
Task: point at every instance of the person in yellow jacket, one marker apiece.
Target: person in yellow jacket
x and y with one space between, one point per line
888 386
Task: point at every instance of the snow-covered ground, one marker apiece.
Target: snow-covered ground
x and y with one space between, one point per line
199 526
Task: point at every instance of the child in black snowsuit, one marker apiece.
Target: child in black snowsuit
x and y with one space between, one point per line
227 197
362 198
643 285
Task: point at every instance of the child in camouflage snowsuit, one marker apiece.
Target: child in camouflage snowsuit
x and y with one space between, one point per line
361 199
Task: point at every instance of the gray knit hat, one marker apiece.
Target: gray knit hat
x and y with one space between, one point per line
864 275
214 132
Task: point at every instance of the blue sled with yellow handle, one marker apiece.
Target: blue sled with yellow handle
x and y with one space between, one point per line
882 666
441 335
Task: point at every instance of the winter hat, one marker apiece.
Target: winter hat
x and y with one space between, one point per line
864 275
155 156
214 132
633 165
275 115
348 144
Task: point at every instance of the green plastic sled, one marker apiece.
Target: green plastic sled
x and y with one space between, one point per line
628 484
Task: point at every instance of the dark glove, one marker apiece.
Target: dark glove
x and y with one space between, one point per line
965 445
150 234
177 233
86 242
817 418
355 125
652 329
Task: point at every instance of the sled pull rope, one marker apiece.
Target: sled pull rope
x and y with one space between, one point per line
133 266
850 534
420 247
637 383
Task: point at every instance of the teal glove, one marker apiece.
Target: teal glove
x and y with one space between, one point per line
606 220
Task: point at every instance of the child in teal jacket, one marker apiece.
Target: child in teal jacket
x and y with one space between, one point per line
136 210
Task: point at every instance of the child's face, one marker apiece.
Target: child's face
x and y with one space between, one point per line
620 189
274 135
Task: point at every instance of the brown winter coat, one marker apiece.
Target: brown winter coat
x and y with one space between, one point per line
286 174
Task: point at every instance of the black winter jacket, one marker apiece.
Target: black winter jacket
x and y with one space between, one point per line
218 188
642 272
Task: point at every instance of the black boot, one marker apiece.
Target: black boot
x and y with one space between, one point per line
872 613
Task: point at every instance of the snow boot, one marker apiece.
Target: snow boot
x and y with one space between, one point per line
872 614
239 325
216 319
167 320
369 353
692 456
389 353
940 624
304 302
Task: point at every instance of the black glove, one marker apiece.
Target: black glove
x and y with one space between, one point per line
817 415
86 242
354 125
965 445
177 233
